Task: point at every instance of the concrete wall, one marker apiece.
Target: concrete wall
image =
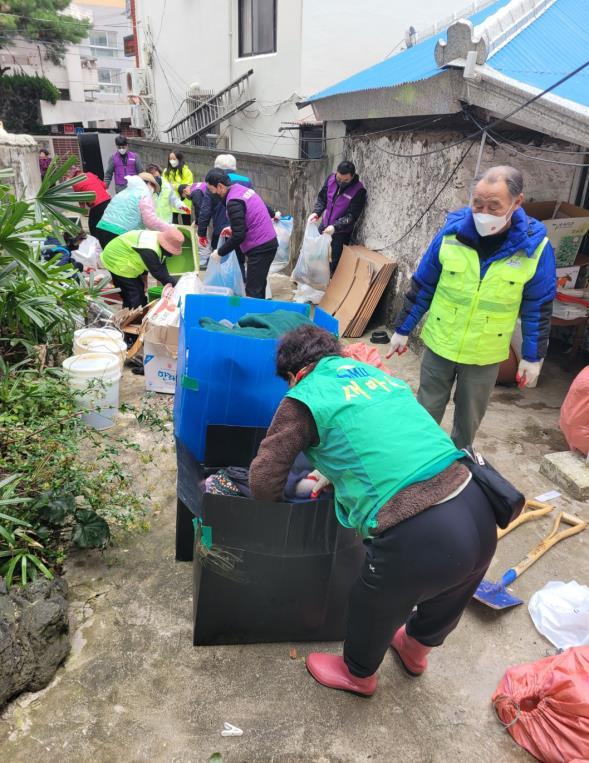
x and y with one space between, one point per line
287 185
318 44
399 191
19 153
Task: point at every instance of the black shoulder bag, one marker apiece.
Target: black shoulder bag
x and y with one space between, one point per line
506 500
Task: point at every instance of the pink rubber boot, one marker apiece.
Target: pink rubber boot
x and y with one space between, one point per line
411 653
331 671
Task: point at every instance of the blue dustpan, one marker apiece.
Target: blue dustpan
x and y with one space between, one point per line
496 595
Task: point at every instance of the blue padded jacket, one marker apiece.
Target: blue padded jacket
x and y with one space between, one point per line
525 234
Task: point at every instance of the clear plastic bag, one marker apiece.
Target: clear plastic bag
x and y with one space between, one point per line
312 266
226 273
283 228
560 612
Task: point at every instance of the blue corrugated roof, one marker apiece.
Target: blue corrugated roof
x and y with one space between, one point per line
553 45
410 65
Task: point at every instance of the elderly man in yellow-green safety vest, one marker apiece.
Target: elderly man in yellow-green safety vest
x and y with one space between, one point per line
489 265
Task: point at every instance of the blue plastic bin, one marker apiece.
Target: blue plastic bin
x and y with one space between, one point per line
226 379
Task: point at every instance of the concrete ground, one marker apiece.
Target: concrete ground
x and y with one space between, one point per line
135 689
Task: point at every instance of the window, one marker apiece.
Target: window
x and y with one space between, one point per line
64 94
109 80
311 141
104 44
257 27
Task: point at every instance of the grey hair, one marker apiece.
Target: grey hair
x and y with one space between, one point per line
226 162
514 180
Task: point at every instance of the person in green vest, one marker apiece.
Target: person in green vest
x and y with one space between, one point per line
489 265
429 531
167 201
130 256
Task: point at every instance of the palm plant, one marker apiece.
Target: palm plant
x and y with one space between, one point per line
40 301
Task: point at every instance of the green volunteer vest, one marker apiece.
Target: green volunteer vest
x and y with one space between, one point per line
374 437
471 320
163 208
122 259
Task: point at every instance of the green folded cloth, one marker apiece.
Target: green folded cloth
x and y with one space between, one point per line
260 325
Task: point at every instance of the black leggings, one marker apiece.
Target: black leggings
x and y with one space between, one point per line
105 236
95 216
434 562
179 219
132 290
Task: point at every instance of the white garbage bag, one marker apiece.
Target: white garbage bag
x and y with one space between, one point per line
283 228
560 611
87 253
189 283
306 293
312 266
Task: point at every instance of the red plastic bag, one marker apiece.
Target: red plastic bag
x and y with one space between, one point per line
574 414
545 706
366 354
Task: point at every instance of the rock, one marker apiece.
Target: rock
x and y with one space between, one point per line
34 635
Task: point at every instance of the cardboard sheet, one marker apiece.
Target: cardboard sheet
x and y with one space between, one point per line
356 288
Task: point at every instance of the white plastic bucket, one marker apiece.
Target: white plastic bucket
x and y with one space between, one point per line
102 399
100 340
98 331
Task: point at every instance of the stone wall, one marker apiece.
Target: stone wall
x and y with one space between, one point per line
399 191
288 185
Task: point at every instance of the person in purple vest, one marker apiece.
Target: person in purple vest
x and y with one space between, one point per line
339 205
122 163
195 193
252 233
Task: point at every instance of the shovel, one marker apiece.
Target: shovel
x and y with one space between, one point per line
495 595
532 510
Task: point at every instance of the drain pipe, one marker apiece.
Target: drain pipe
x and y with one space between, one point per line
230 72
480 156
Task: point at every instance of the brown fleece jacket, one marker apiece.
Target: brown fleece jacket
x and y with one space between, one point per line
293 430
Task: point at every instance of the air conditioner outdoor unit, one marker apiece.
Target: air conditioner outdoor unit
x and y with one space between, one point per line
137 117
136 81
219 142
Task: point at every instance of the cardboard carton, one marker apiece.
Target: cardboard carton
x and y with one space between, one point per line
160 353
566 226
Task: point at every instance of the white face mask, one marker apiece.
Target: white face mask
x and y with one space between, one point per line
174 162
122 151
489 225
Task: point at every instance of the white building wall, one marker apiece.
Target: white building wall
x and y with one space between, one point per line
76 73
318 44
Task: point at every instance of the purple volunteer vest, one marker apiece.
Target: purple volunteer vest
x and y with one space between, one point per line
122 169
337 207
198 187
259 228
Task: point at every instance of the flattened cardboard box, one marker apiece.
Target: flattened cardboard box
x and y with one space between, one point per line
356 288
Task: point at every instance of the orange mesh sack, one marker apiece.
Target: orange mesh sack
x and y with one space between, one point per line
574 414
545 706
